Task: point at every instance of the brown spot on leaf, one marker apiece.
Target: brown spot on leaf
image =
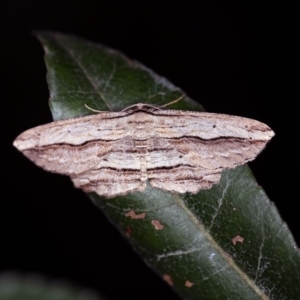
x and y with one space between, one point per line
133 215
188 284
128 231
168 279
157 225
236 239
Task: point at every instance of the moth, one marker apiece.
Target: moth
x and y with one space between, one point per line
114 153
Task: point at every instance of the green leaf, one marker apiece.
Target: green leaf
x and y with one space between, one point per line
34 287
194 251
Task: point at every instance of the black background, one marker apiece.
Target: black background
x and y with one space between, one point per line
232 57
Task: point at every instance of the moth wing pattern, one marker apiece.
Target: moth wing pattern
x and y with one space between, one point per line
113 153
197 147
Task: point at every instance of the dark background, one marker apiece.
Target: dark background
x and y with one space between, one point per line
232 57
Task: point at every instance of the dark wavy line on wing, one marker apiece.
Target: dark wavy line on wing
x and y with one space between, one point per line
232 138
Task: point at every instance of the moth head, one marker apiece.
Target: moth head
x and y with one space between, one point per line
141 107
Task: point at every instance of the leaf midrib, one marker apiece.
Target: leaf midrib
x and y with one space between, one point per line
215 245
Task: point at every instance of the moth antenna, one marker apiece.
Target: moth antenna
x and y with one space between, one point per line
91 109
174 101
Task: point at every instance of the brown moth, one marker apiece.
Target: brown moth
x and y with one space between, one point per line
113 153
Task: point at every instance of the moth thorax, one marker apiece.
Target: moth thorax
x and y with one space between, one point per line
140 133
